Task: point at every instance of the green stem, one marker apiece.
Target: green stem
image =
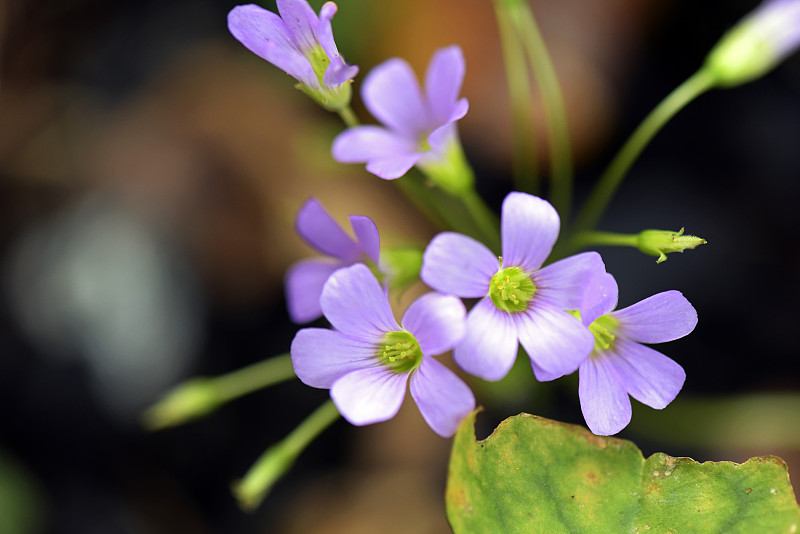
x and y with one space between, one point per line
254 377
608 183
587 239
348 117
277 460
554 108
525 168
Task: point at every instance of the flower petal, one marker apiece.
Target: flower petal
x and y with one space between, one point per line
321 356
490 346
356 305
338 72
649 376
368 396
303 283
599 297
563 284
457 264
604 401
555 340
530 228
443 81
364 143
301 21
266 35
323 30
392 168
437 321
318 229
442 397
369 240
392 94
663 317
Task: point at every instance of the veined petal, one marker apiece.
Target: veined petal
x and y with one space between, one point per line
266 35
563 283
393 167
356 305
649 376
301 21
490 346
530 228
304 282
367 235
437 321
555 340
318 229
364 143
663 317
443 81
443 399
321 356
367 396
392 94
599 297
604 401
457 264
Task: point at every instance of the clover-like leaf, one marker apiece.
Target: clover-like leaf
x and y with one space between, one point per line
534 475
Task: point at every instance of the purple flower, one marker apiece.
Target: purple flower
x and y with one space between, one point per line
619 366
305 279
301 44
368 358
419 128
521 301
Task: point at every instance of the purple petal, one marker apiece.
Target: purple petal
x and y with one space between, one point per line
457 264
391 93
490 347
604 401
599 297
321 356
555 340
443 399
301 21
530 228
364 143
443 81
662 317
266 35
437 321
304 282
356 305
367 236
338 72
324 32
318 229
392 168
564 283
649 376
442 138
370 395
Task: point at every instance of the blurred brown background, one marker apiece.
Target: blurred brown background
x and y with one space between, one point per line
150 169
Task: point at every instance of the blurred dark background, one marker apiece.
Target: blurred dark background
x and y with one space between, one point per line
150 169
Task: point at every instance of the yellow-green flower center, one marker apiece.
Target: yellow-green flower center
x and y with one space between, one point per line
319 61
511 289
400 352
604 329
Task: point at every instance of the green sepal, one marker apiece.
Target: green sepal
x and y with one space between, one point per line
662 242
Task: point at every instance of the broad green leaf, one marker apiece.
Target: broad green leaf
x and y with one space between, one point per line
533 475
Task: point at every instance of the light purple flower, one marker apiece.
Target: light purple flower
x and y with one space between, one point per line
305 279
300 43
367 359
419 128
521 302
619 365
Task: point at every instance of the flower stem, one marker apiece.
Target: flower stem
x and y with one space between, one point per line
277 459
348 117
201 396
553 100
525 168
608 183
587 239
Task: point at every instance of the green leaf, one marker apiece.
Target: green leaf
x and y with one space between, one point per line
533 475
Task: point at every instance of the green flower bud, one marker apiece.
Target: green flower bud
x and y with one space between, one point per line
191 400
662 242
401 266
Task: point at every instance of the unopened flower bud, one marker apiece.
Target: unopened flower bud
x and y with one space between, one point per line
662 242
401 266
190 400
